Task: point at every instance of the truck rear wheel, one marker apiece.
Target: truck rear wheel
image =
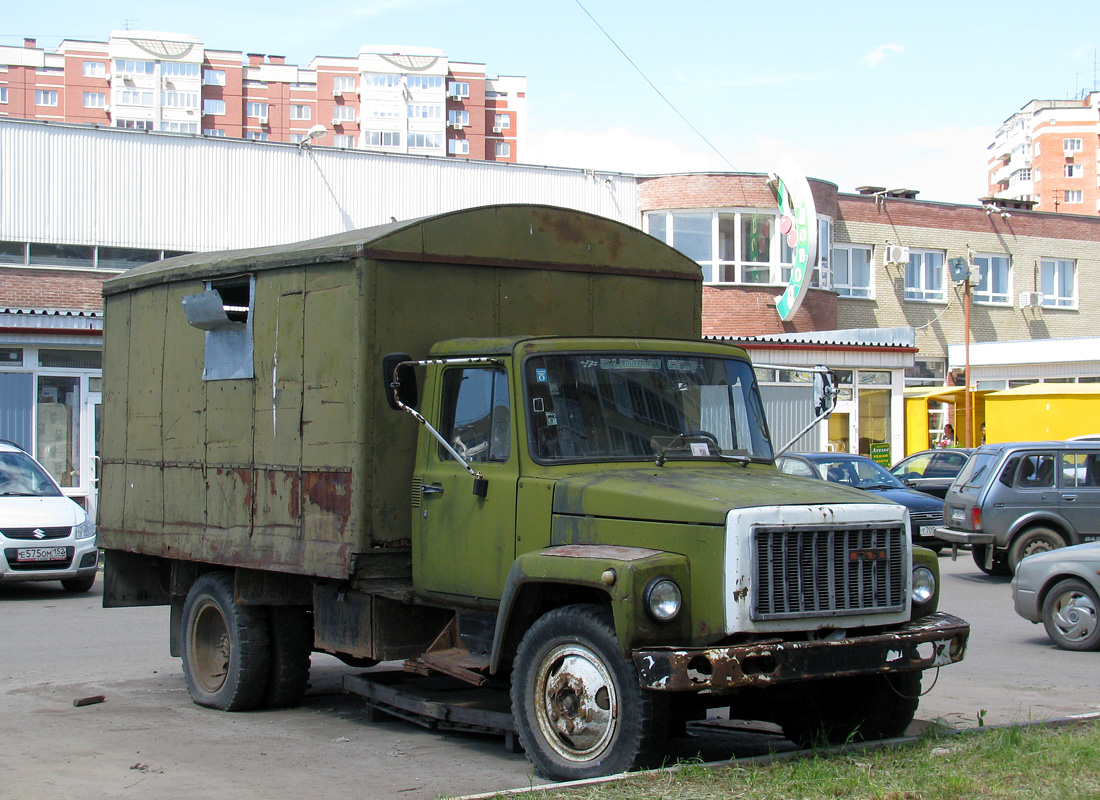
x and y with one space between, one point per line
291 633
854 709
225 646
579 709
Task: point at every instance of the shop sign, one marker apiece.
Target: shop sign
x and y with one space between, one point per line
798 223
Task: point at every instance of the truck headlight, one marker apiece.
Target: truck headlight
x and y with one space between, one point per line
663 599
924 585
85 530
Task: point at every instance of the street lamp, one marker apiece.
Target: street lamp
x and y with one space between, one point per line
316 132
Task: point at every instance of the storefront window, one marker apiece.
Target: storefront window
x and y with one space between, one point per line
874 417
11 356
756 232
58 420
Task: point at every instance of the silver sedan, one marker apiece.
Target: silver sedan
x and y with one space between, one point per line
1061 589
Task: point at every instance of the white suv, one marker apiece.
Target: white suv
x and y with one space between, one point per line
44 536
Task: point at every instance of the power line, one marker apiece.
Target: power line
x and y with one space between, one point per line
654 87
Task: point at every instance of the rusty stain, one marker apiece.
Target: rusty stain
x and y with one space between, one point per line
330 492
618 553
740 595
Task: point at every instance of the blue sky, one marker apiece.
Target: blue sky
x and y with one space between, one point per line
884 93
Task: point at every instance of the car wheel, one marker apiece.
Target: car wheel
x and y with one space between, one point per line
225 646
1032 541
1000 562
1071 615
579 709
75 585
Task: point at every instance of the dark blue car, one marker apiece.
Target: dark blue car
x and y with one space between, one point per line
860 472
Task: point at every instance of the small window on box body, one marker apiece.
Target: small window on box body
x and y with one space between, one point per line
224 311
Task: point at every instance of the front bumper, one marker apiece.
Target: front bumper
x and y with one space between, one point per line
81 559
955 536
932 641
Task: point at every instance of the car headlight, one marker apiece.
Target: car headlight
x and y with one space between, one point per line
924 585
85 530
663 599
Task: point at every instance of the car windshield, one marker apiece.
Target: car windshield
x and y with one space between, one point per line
20 476
635 406
859 472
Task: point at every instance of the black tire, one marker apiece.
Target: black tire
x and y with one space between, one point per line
75 585
1032 541
1071 615
1000 562
569 663
225 646
857 709
291 633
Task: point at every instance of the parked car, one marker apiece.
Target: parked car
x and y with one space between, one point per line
1015 499
932 471
1061 589
44 536
860 472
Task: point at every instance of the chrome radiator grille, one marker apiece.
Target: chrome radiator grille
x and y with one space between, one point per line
828 572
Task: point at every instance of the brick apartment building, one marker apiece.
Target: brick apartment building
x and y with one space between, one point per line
412 101
1046 154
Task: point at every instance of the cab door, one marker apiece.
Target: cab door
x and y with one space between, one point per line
464 544
1080 493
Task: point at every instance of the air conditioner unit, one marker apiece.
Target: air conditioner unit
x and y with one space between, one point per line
337 93
457 126
1031 299
498 130
337 122
263 120
454 97
895 254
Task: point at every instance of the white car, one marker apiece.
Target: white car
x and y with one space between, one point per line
44 536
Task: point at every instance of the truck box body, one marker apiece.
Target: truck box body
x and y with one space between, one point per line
301 469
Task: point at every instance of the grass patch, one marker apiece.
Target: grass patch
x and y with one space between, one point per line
1009 763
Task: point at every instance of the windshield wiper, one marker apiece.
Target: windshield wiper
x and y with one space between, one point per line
711 439
18 494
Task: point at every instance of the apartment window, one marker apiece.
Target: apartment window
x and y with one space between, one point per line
132 97
213 107
756 239
458 147
256 110
502 121
179 69
95 69
45 97
301 112
3 94
180 127
1074 170
1073 196
343 83
127 67
382 138
425 141
343 113
924 276
425 81
1070 146
259 136
993 279
428 112
380 80
343 140
179 99
458 117
135 124
212 132
1058 282
502 149
852 270
458 89
95 100
213 77
383 111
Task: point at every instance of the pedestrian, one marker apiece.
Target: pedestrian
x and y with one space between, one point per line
948 438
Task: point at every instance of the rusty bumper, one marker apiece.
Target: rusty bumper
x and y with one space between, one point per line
932 641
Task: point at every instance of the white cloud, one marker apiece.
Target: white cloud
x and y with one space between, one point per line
875 56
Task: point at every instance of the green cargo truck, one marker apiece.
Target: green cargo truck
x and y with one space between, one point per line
491 443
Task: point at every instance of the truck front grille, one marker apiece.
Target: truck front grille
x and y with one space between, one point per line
828 572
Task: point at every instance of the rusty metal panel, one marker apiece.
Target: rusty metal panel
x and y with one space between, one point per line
183 399
146 369
659 307
184 520
116 355
278 327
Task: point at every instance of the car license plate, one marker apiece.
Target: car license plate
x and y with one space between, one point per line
40 554
928 531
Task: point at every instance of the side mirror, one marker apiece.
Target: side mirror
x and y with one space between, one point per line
399 383
825 391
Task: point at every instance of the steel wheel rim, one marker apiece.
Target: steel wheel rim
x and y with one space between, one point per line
210 647
1039 545
1075 616
576 703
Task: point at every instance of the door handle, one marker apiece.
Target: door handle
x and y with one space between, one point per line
1069 498
431 488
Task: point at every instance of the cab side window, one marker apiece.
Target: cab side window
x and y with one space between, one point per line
1036 471
476 418
1080 469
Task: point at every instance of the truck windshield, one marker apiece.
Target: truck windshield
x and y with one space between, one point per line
641 406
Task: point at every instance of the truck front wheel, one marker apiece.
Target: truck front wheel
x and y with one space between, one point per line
579 709
225 646
854 709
